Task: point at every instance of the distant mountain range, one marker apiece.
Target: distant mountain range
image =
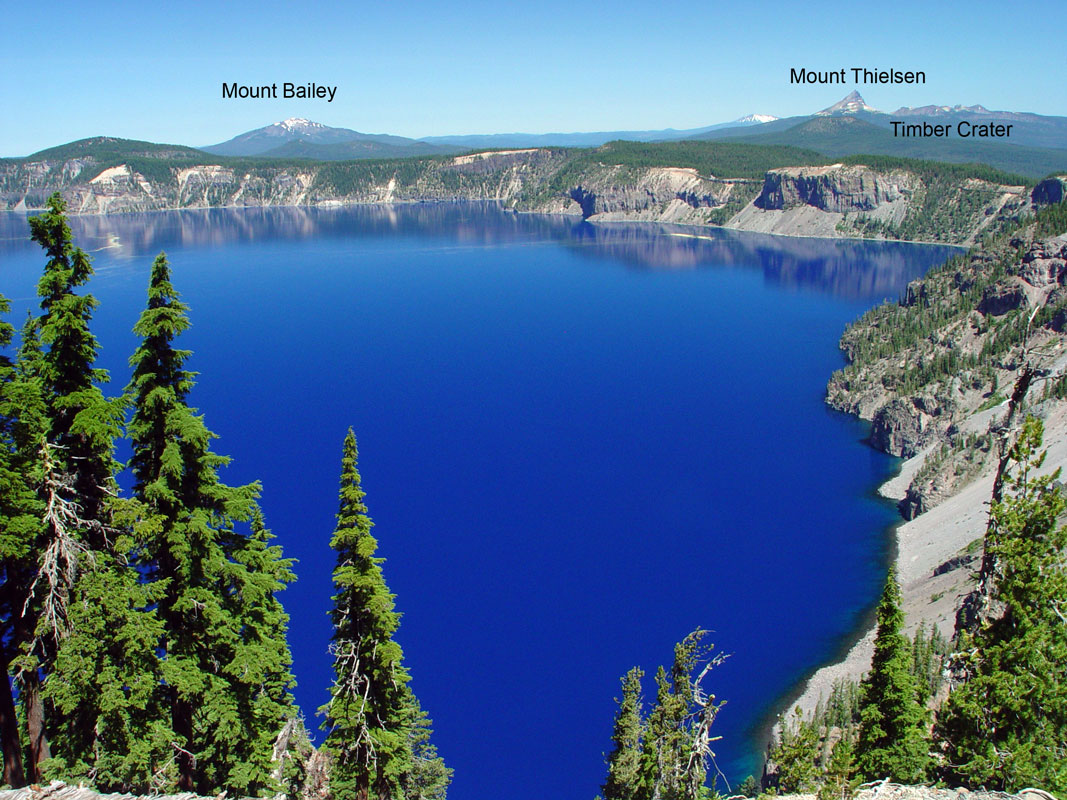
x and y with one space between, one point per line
594 139
853 127
1037 146
301 138
1028 130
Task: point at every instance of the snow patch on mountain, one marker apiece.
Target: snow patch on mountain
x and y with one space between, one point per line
755 118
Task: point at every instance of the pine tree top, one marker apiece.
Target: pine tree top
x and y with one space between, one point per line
68 266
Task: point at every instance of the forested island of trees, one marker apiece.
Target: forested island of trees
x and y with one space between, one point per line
145 644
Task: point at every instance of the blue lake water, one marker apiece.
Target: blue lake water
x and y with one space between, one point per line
578 444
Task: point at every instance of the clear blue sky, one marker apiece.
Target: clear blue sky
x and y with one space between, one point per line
154 70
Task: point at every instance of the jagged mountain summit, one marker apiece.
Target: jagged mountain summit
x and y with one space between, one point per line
852 103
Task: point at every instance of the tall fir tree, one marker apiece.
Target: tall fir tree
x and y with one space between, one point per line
226 668
83 424
892 741
372 718
1005 727
79 606
64 439
624 762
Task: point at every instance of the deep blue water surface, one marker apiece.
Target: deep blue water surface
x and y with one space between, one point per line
578 444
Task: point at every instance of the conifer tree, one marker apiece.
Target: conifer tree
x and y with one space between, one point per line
63 439
20 528
226 667
83 424
677 738
797 755
80 619
624 762
840 782
1005 727
428 778
892 737
655 762
372 718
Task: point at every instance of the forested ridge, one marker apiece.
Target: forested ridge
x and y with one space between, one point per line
141 632
733 184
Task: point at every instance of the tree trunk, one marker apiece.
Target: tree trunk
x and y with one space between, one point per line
9 734
182 722
35 724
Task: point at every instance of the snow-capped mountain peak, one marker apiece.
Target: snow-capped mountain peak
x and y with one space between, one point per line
756 119
298 125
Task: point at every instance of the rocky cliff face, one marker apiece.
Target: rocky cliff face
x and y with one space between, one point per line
932 372
662 194
858 201
838 189
1051 190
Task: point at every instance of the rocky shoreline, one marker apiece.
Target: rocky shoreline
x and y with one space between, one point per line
831 201
945 427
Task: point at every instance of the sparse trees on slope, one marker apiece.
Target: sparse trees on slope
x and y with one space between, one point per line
624 762
892 737
226 667
372 719
1005 727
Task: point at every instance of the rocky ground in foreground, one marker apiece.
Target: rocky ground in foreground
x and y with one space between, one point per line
893 791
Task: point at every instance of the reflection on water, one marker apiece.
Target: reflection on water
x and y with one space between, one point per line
862 270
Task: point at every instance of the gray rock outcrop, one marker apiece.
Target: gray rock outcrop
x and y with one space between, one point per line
837 188
905 425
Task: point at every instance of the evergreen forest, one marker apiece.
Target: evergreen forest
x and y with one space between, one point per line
141 631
